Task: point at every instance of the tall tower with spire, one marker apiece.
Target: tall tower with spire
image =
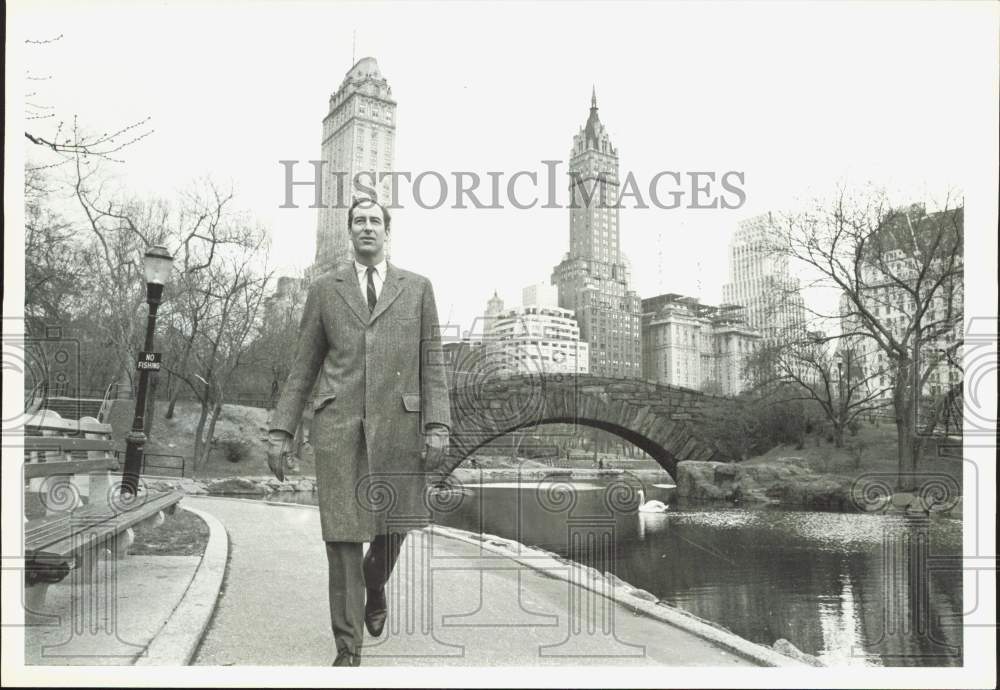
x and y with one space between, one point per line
494 307
359 135
593 277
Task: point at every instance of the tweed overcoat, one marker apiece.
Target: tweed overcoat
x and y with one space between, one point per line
381 381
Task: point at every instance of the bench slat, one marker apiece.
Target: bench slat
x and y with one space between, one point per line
47 469
59 540
50 420
68 445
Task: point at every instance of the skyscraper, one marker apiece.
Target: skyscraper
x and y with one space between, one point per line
359 134
536 338
761 281
494 307
593 278
687 343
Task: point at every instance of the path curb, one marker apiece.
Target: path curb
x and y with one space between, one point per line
177 641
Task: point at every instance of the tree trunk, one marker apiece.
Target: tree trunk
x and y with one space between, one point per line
202 416
907 480
173 403
207 445
905 409
907 466
838 435
175 391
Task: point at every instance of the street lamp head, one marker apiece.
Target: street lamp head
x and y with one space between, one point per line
158 263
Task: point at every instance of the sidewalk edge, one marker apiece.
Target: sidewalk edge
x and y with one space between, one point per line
176 642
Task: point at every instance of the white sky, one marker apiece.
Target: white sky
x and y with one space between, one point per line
795 96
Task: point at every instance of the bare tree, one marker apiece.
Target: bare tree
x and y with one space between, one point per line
121 229
899 273
51 133
268 361
71 140
812 369
215 318
51 262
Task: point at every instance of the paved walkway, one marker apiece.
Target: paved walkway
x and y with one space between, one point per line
451 603
111 622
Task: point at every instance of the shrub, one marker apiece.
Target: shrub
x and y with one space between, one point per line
236 450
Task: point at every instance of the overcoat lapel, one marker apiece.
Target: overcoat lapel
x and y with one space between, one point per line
390 291
346 283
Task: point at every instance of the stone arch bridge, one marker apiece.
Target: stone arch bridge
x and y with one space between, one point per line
656 418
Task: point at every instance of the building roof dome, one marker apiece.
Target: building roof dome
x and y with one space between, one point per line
363 68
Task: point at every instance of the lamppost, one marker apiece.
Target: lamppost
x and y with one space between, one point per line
157 264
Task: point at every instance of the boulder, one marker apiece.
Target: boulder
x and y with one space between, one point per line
726 471
783 646
697 479
817 491
305 485
236 485
159 485
761 483
768 473
192 486
747 490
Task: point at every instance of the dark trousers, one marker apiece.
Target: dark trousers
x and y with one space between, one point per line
350 575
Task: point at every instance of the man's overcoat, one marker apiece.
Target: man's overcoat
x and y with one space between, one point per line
381 381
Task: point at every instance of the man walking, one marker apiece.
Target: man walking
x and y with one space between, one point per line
380 423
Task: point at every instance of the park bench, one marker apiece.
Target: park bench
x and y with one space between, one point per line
74 509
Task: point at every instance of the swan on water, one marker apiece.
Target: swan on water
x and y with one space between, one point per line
651 506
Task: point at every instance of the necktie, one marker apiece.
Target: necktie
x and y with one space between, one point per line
372 297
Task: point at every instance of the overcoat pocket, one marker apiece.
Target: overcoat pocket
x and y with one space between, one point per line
411 403
322 401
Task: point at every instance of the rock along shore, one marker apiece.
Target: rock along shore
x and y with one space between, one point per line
785 483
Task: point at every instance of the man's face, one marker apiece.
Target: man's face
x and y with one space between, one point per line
368 232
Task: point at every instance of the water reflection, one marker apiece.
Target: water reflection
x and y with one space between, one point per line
849 588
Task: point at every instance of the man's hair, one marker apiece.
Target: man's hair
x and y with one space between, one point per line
386 218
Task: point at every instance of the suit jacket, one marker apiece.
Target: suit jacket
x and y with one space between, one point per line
381 383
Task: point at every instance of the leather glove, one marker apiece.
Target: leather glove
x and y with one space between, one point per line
435 446
279 450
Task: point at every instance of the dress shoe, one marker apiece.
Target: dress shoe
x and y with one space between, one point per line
346 658
375 611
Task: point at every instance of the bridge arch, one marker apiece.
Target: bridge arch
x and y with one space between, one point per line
656 418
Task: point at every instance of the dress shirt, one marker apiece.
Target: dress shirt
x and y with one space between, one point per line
378 278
